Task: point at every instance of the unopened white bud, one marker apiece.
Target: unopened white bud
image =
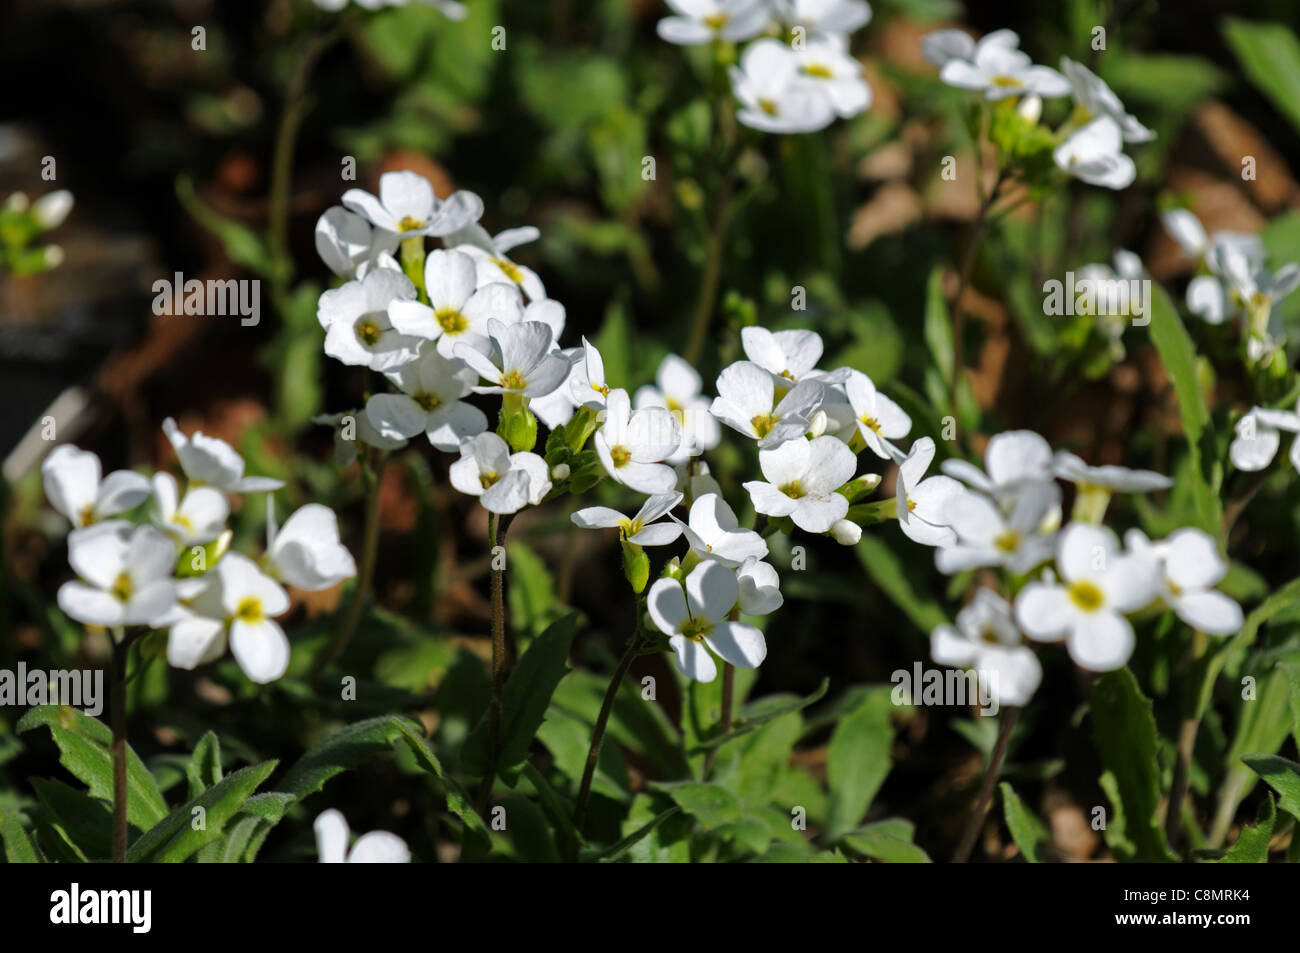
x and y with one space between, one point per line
817 425
1030 108
869 481
846 533
561 471
50 210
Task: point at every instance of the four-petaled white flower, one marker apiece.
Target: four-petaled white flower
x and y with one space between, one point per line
694 617
747 402
1094 153
703 21
587 385
999 69
943 46
1258 434
489 254
988 536
1190 568
306 551
825 67
824 18
72 483
127 575
790 356
458 310
198 517
429 403
879 420
377 847
407 206
503 482
642 529
1070 467
631 445
517 359
713 532
350 246
802 477
760 587
986 639
923 503
1099 584
772 98
209 461
358 330
677 388
1013 460
1092 95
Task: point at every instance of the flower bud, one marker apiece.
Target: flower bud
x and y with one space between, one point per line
560 472
846 533
817 426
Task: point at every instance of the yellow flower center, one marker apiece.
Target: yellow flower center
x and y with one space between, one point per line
1004 81
511 270
630 527
88 514
621 455
768 106
762 424
123 587
513 380
817 70
451 321
695 629
601 389
368 332
792 489
716 21
487 479
428 402
409 224
1086 596
988 635
183 521
871 423
250 610
1007 541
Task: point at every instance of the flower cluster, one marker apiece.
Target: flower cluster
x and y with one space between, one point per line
1089 145
1008 517
172 569
22 222
799 75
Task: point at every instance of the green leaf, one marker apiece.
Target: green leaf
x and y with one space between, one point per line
937 326
858 759
1027 830
1252 844
1124 730
524 702
1284 598
887 570
759 713
533 605
1270 56
19 848
1282 776
711 805
458 800
84 749
175 839
1177 353
888 840
85 821
340 752
529 831
204 768
616 851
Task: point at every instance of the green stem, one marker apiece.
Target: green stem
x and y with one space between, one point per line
497 527
365 571
986 789
121 647
1186 746
602 720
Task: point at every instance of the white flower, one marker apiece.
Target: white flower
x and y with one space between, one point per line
458 310
306 551
999 70
239 606
879 420
986 536
1208 294
429 403
350 428
713 532
1099 585
923 503
1258 436
1069 467
355 317
407 206
213 462
677 389
790 356
199 517
516 360
694 617
52 208
942 46
556 408
1258 293
987 640
703 21
1093 95
1013 459
1094 154
826 68
348 244
631 445
1190 567
489 254
747 403
640 530
72 483
503 482
126 572
377 847
802 477
771 97
587 385
760 587
835 18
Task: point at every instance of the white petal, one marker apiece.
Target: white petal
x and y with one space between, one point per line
741 645
693 659
1101 641
1043 612
261 650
